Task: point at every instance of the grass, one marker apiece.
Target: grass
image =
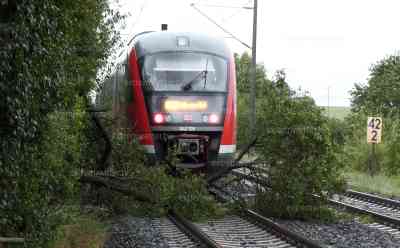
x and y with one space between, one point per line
381 184
82 231
336 112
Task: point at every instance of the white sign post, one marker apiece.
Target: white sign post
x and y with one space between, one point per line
374 136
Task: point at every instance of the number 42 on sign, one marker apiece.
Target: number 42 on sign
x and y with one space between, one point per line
374 130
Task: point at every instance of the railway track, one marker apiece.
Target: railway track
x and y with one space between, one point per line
385 211
390 203
248 230
173 235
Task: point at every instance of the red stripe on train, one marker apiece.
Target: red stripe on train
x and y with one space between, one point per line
229 132
137 110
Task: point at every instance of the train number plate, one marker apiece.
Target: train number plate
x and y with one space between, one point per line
186 129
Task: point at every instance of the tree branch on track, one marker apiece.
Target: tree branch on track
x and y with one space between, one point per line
117 186
11 240
108 146
225 171
246 150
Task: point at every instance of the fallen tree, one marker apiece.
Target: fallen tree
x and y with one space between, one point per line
115 184
235 164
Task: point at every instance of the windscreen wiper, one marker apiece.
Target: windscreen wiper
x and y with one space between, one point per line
188 85
205 74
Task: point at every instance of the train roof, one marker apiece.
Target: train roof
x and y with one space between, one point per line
167 41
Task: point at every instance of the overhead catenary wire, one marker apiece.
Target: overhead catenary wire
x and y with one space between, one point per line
235 13
225 6
219 26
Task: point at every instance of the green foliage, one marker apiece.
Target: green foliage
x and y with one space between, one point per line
46 182
243 64
300 150
297 143
379 97
392 145
380 183
50 52
338 130
186 193
358 152
86 230
337 112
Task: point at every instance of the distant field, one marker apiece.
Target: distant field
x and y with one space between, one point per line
337 112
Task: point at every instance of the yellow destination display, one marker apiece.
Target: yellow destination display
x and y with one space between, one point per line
176 105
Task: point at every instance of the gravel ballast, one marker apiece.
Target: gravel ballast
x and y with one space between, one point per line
134 232
347 234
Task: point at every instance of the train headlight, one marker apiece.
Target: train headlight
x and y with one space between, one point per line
213 118
158 118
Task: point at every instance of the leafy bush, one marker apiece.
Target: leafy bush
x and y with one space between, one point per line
392 144
358 151
300 152
50 52
44 178
86 230
243 63
300 146
185 193
378 97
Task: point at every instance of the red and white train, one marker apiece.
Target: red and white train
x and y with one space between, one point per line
176 90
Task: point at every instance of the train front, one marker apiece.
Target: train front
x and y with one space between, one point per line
189 90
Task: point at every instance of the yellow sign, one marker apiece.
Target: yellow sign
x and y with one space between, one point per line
176 105
374 130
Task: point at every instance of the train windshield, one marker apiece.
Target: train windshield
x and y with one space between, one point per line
183 71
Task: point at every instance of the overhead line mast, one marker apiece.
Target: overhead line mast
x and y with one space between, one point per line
253 75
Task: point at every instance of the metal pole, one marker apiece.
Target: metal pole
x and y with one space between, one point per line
329 106
253 75
374 163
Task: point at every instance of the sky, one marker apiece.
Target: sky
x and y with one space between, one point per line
324 46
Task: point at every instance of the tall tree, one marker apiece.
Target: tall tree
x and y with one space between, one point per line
381 95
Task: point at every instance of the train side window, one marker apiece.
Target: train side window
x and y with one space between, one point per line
115 88
128 89
107 92
122 84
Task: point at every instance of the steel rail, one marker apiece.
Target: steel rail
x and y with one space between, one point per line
378 216
279 230
299 240
373 198
191 230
